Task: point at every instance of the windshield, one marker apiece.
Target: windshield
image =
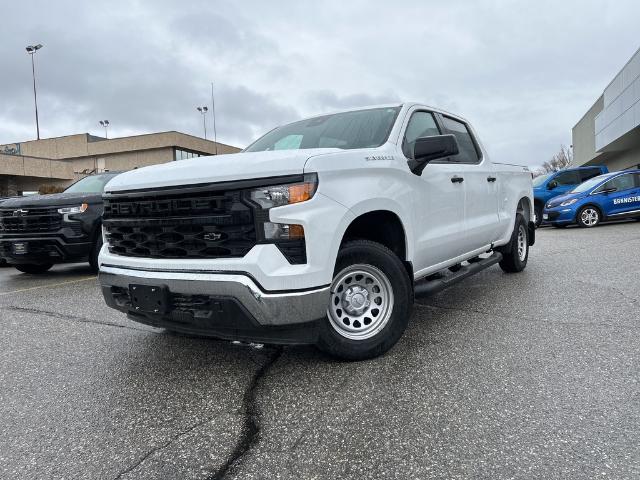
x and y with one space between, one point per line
91 184
357 129
589 184
541 179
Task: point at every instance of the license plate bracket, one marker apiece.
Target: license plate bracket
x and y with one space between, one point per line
149 298
20 248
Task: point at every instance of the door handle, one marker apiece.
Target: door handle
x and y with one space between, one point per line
491 179
457 179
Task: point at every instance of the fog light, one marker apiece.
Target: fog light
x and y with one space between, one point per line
283 231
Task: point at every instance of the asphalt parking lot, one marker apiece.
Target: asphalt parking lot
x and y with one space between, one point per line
533 375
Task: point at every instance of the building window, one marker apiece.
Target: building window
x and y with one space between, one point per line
186 154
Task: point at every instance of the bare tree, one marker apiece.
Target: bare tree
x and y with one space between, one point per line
560 160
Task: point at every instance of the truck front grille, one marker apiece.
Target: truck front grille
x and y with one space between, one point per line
174 224
30 220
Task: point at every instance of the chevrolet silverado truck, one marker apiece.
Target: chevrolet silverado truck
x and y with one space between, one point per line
320 232
39 231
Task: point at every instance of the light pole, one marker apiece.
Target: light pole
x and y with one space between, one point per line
31 50
213 107
105 124
203 111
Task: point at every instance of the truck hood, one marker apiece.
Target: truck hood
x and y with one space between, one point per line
218 168
53 200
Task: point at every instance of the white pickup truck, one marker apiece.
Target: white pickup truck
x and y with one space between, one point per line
320 232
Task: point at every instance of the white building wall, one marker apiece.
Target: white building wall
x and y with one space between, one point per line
621 112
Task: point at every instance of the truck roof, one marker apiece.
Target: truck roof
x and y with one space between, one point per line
406 105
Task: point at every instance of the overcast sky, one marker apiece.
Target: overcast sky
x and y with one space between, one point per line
522 72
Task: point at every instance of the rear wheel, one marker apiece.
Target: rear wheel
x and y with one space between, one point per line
370 304
588 217
538 212
33 268
515 257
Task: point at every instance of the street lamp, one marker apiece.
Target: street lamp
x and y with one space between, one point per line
31 50
105 124
203 111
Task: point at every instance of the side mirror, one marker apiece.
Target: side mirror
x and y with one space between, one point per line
427 149
552 184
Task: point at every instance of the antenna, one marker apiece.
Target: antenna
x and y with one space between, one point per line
213 107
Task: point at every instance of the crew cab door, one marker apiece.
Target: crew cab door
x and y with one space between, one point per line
438 209
480 187
620 196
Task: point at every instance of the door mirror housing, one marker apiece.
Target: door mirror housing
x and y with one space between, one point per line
427 149
552 184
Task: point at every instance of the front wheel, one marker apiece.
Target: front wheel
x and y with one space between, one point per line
588 217
95 251
516 255
32 268
370 304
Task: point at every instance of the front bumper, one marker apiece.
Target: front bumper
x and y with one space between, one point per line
43 249
224 305
558 215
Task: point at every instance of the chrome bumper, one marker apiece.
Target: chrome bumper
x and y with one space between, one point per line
267 308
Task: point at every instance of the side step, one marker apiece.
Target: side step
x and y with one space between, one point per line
429 287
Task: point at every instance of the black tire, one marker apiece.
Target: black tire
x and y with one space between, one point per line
394 316
589 216
538 211
513 260
33 269
95 251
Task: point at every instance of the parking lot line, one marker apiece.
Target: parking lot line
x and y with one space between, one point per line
49 285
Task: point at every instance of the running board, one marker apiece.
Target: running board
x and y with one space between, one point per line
429 287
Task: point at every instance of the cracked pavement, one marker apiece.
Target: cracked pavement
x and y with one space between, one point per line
533 375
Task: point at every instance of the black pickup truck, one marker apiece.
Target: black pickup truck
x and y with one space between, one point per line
39 231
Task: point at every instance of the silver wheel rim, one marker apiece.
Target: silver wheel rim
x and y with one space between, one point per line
522 243
589 217
361 302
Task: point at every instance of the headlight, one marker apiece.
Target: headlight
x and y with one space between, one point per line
569 202
279 195
68 210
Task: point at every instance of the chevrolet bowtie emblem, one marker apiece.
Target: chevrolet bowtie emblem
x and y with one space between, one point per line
20 213
212 237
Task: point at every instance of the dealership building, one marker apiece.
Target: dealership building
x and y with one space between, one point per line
28 166
609 133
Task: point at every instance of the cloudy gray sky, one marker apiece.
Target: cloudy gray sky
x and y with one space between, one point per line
523 72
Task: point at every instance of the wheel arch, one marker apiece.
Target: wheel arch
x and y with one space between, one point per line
524 207
384 227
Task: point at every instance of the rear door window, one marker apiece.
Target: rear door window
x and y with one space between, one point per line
567 178
588 173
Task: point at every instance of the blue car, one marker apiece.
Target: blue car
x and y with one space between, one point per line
546 187
605 197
